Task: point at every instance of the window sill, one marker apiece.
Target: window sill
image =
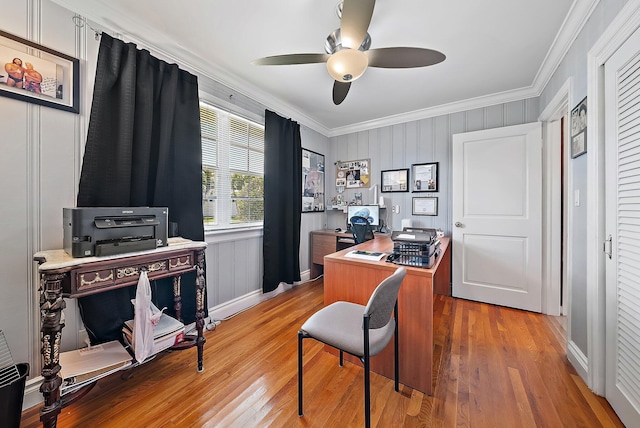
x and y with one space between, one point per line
215 236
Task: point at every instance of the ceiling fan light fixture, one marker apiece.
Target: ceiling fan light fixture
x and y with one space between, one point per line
347 65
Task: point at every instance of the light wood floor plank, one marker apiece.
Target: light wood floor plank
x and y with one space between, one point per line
495 366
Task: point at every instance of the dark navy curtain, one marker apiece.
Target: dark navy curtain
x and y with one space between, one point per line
143 149
282 201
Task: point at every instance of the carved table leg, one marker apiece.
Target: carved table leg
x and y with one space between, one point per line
200 293
51 306
177 299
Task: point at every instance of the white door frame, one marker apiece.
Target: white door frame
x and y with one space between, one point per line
623 26
551 215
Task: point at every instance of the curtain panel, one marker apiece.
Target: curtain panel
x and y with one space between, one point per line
282 201
143 149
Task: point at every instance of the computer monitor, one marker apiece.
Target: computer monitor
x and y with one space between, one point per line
370 212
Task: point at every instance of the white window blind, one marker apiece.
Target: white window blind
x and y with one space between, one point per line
233 169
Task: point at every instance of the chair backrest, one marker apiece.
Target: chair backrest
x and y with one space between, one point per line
383 300
361 229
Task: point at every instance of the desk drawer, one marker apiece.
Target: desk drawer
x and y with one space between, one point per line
177 264
95 279
129 273
321 246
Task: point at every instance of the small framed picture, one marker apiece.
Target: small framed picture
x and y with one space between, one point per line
395 180
425 206
424 177
579 129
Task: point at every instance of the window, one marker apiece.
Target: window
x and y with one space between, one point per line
232 169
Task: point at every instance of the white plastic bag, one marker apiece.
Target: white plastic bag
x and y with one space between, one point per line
143 324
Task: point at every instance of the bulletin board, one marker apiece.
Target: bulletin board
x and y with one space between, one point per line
312 181
353 174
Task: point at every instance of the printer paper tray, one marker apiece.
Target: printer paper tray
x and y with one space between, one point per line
112 248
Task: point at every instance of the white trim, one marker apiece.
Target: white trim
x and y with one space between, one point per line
239 304
552 181
577 16
32 395
577 359
575 20
624 24
228 235
440 110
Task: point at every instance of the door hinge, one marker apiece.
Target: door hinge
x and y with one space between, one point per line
607 246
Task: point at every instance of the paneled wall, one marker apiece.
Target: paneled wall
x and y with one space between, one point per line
426 140
574 65
40 165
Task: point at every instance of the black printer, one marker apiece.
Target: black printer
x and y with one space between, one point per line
106 231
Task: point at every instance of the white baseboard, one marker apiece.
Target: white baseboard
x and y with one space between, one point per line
32 394
578 360
33 397
242 303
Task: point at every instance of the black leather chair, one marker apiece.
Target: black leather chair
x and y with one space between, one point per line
361 229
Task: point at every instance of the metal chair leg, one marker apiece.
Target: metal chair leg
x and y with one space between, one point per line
396 342
300 337
341 358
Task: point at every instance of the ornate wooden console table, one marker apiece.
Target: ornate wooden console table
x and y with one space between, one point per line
65 276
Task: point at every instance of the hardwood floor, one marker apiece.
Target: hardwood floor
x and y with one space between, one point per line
498 367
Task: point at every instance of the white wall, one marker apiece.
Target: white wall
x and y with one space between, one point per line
39 170
574 65
426 140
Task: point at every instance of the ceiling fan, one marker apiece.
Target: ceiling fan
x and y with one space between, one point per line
348 54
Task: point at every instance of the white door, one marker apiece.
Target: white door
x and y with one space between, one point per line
497 215
622 150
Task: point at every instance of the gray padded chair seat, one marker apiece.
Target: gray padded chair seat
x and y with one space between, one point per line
340 324
363 331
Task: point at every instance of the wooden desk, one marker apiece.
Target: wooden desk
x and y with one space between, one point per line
354 280
325 242
65 276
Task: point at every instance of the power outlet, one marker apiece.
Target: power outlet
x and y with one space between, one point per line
395 209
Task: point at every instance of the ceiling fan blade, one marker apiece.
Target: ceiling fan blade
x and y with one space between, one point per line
340 91
292 59
356 16
403 57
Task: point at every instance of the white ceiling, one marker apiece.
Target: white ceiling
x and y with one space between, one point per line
497 51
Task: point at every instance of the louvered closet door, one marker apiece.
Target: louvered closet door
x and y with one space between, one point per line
622 128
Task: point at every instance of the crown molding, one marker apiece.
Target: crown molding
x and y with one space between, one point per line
578 15
188 61
440 110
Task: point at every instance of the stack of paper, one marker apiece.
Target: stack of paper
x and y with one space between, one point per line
86 365
167 333
365 255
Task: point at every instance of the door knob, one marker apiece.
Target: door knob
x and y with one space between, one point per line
457 224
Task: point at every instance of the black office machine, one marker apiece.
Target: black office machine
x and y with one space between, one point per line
414 248
114 230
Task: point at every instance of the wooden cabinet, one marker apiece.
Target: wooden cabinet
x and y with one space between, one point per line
323 242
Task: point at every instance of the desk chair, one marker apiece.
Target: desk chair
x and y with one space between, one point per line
362 331
361 229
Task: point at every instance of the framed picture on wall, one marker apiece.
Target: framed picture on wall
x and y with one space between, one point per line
395 180
36 74
312 181
424 177
579 129
425 206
